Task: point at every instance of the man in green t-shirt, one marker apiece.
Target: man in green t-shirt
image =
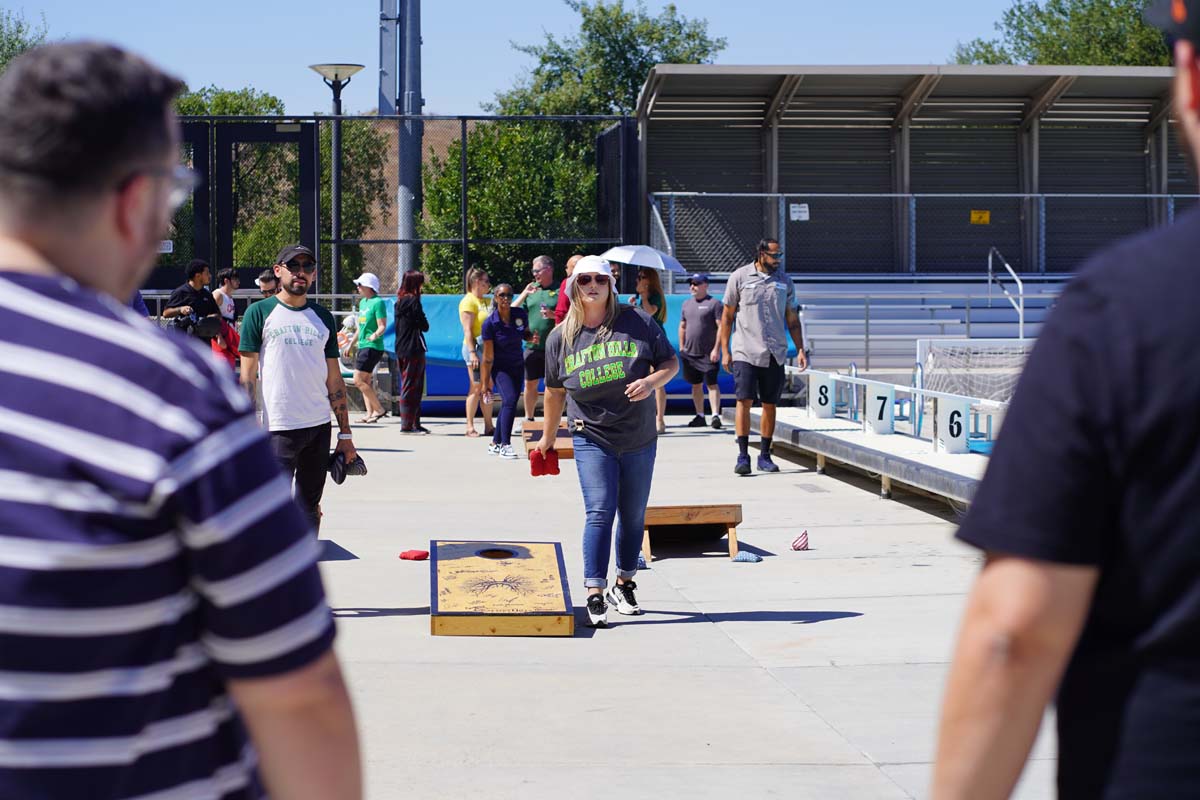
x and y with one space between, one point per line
372 322
539 300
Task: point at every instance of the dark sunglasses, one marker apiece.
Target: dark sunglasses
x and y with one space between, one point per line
698 283
775 256
586 280
504 296
297 266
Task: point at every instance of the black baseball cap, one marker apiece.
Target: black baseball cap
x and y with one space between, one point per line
293 250
1178 19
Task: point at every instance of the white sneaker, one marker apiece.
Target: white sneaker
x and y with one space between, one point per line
493 449
621 595
507 452
597 611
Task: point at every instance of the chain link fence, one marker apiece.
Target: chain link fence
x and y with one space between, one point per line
898 234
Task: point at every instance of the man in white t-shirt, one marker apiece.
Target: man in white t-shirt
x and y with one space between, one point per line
290 343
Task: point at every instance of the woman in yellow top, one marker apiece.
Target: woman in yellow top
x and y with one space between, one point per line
472 311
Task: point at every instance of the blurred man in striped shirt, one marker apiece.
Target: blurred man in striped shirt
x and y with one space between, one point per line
163 628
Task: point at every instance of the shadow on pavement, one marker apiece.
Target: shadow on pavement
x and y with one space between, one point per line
332 551
793 617
422 611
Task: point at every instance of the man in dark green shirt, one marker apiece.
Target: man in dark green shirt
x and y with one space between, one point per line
539 300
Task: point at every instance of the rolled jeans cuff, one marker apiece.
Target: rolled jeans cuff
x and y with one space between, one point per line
626 574
595 583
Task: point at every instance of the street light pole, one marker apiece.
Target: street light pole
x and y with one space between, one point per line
336 76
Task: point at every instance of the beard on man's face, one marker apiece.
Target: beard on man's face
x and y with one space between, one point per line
296 286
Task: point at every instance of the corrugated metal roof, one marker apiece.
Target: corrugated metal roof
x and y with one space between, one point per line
871 96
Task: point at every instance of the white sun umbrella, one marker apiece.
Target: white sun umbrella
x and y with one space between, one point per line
639 255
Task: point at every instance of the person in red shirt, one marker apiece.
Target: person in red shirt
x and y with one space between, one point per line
564 301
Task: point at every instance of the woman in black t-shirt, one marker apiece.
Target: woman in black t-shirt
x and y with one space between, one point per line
411 326
602 363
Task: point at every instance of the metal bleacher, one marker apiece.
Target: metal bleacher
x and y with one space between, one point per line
875 323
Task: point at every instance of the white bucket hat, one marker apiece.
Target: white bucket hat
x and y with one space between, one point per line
369 280
590 265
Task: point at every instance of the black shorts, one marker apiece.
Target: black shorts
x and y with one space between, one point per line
764 384
693 375
367 359
535 365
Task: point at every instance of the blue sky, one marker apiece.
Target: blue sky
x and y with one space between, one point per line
467 56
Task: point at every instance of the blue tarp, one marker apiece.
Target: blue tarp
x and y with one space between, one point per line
447 376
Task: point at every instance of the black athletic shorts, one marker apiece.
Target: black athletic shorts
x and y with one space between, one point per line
367 358
535 365
694 376
764 384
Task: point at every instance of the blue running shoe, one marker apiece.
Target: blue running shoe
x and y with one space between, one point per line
765 464
743 464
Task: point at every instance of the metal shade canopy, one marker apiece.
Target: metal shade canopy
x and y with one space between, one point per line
335 72
639 255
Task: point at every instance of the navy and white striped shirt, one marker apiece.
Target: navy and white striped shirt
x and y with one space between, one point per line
149 551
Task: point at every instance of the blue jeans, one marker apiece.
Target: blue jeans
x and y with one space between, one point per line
508 383
612 483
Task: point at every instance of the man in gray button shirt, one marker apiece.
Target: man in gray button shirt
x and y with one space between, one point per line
760 298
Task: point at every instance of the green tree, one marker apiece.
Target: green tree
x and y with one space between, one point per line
1095 32
537 180
526 180
601 69
214 101
17 36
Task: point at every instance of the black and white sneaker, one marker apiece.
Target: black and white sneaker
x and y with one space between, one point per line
597 611
621 595
697 422
716 423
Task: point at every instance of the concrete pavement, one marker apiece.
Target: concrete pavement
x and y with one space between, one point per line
807 675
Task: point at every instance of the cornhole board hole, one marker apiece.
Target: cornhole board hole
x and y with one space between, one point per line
499 589
563 442
708 522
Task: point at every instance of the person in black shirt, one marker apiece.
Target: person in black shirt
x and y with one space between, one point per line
411 326
1090 518
192 301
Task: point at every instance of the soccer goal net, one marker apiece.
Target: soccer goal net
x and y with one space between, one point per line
983 368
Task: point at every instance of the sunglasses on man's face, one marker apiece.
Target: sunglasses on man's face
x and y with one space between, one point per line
586 280
775 256
308 267
504 296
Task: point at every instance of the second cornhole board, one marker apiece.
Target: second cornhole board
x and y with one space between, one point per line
728 515
499 589
563 442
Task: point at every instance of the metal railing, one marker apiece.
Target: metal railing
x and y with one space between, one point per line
873 303
982 408
1019 303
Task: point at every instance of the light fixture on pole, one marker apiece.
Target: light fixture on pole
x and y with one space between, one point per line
336 76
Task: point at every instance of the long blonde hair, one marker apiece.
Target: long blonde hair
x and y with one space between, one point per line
573 323
473 276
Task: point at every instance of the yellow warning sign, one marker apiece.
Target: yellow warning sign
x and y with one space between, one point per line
981 217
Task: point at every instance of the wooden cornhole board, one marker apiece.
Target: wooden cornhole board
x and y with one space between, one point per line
728 515
499 589
531 434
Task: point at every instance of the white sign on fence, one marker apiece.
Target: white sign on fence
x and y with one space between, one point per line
798 212
952 422
820 396
881 408
166 246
